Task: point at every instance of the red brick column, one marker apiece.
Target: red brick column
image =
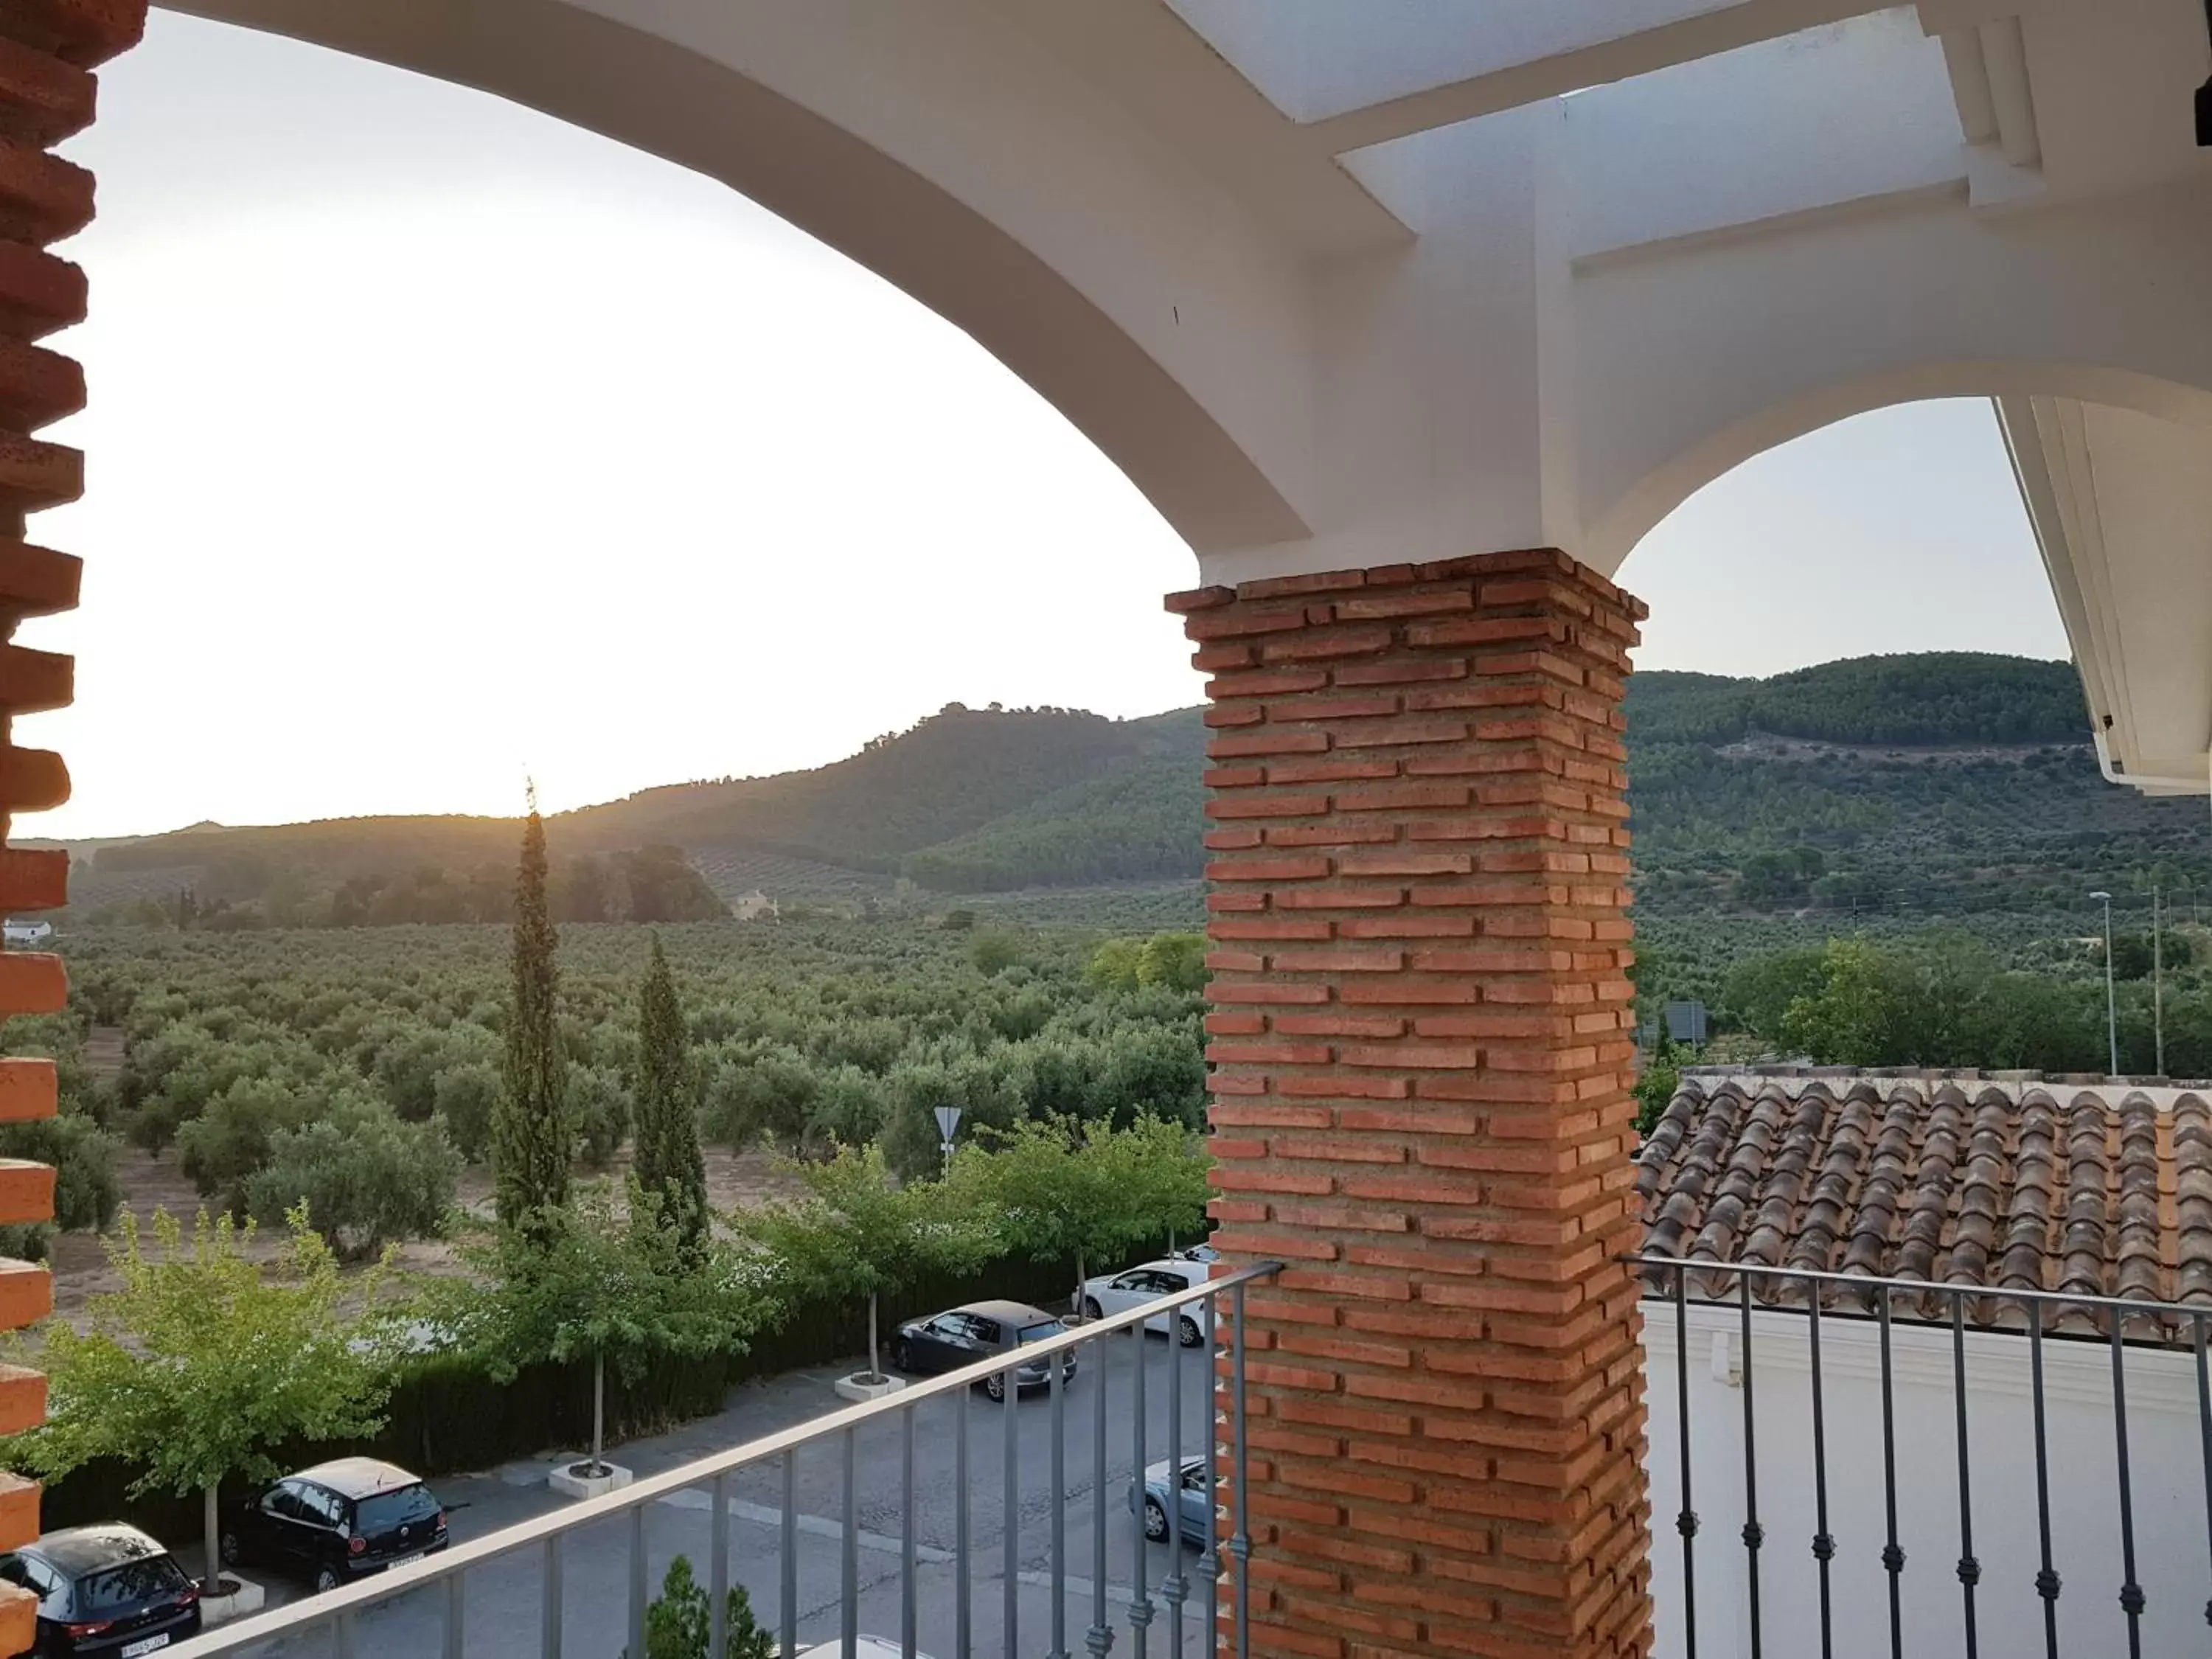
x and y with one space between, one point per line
47 92
1421 1063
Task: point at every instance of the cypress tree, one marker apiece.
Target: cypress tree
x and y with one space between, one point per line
531 1136
669 1163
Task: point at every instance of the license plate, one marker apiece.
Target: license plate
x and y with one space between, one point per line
147 1646
401 1560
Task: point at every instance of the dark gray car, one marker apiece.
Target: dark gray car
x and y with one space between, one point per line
979 1330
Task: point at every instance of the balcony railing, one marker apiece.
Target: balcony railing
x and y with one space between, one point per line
1908 1466
467 1600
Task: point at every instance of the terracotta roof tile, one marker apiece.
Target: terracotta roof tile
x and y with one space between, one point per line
1997 1183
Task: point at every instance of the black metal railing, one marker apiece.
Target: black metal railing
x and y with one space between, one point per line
1986 1338
472 1601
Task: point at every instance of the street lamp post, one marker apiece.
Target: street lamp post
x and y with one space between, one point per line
2111 1006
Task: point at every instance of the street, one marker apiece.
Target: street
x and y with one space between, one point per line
503 1598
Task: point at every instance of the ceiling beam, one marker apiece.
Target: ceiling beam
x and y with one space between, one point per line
1744 24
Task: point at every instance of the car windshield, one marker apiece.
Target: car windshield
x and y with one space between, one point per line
133 1581
388 1510
1043 1332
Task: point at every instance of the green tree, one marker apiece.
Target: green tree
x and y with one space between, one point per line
1174 960
1058 1188
530 1138
1655 1088
668 1163
592 1284
859 1232
204 1365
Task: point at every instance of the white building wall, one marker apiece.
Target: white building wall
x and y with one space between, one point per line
2174 1558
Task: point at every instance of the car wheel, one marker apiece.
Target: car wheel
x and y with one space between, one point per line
994 1385
229 1547
1189 1332
1091 1309
1156 1520
901 1356
327 1580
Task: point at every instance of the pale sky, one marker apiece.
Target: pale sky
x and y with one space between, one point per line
434 443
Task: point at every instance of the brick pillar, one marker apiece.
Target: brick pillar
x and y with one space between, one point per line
47 51
1421 1060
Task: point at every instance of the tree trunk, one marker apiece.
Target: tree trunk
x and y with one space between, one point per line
211 1514
599 1412
875 1370
1075 1306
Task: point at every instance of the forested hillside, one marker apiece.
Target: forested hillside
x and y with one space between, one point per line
1936 784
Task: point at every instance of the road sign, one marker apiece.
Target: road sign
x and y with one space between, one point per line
948 1119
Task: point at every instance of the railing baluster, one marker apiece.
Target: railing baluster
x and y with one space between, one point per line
2132 1595
787 1609
1240 1540
1969 1570
1824 1542
2203 1429
1009 1395
549 1606
2046 1581
1099 1638
905 1536
1175 1588
1209 1563
1754 1534
1893 1557
1058 1386
963 1611
848 1575
456 1614
718 1576
1686 1520
637 1579
355 1616
1140 1603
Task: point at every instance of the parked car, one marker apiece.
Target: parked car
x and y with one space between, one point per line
961 1336
864 1647
1196 1253
106 1589
1112 1293
1162 1487
337 1520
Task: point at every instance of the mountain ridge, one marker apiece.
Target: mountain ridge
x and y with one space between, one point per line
1839 783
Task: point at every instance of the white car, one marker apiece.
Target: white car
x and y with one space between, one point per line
864 1647
1112 1293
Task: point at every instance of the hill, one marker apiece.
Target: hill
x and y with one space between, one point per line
1947 782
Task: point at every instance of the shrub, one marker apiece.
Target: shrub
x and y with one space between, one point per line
677 1625
367 1177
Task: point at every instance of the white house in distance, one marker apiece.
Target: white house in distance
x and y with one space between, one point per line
2011 1182
19 934
756 906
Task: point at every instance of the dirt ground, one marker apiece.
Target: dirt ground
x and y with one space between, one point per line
734 1180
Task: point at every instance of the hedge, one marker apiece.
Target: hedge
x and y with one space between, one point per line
447 1415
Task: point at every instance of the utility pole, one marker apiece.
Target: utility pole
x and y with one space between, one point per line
2158 971
2112 1004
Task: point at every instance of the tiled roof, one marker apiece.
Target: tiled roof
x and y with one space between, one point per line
2004 1184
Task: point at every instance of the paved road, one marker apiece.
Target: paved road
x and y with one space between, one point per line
503 1598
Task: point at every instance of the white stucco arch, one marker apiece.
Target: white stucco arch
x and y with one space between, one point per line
1332 307
1717 454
